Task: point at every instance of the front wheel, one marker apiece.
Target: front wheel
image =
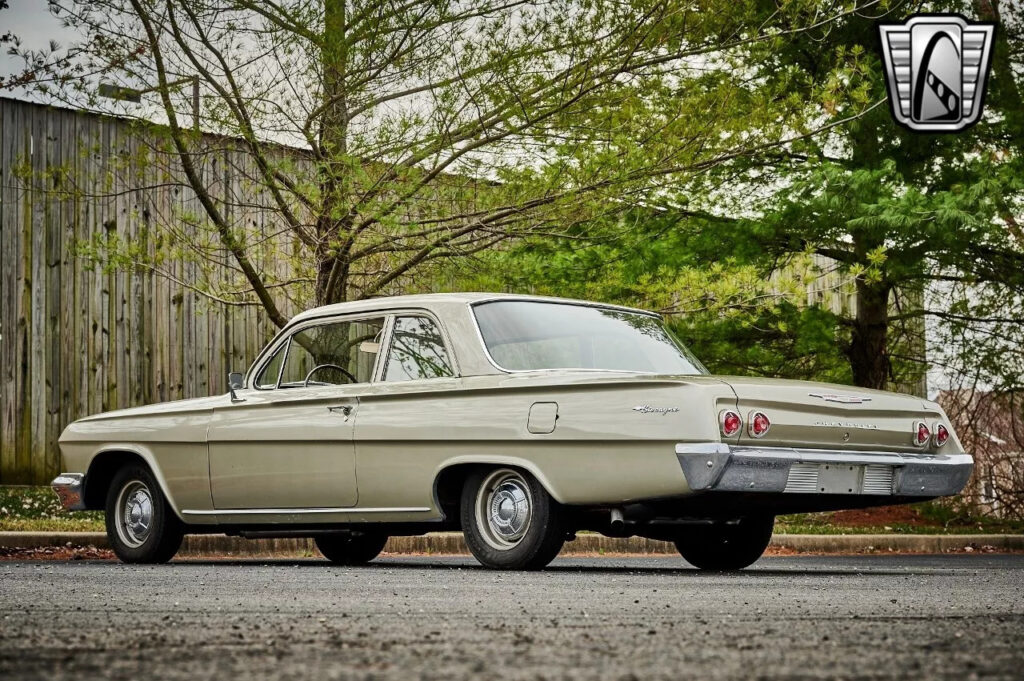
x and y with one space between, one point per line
510 521
351 549
726 547
141 526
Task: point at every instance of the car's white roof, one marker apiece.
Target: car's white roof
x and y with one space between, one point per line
429 300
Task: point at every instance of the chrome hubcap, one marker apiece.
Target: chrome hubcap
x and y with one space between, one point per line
134 513
504 508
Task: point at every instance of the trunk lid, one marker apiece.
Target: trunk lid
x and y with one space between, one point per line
811 415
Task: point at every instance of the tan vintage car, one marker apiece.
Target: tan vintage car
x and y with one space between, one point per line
518 419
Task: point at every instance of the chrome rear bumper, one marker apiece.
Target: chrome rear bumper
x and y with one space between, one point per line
719 467
70 488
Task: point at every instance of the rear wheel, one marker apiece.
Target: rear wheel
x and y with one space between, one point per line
352 549
141 526
726 547
510 521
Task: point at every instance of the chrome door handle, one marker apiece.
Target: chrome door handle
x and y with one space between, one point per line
345 409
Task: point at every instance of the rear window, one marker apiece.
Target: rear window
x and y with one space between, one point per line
530 335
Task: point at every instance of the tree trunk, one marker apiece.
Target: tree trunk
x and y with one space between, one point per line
868 353
333 147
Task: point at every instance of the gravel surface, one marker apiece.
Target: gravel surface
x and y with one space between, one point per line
857 617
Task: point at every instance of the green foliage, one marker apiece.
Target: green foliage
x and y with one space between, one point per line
919 220
784 341
733 317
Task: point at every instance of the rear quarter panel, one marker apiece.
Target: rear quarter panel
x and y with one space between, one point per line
601 451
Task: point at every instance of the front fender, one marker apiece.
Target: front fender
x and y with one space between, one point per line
181 469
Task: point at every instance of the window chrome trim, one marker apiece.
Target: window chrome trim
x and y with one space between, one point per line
385 343
286 349
602 306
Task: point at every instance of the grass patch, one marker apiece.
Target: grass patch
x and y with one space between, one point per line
929 517
800 524
37 509
69 524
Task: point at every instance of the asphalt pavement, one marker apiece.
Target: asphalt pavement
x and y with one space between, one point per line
853 617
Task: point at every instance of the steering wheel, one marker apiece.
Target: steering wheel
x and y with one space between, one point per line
318 367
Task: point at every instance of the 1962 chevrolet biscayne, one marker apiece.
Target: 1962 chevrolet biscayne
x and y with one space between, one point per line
519 420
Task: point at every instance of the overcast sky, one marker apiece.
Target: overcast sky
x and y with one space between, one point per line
31 21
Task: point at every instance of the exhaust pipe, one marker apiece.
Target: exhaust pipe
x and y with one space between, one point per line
617 522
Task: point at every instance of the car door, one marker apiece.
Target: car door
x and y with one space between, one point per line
287 443
404 418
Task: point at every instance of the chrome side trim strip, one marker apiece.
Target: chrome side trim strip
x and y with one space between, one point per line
293 511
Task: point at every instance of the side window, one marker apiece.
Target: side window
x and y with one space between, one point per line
417 351
271 370
336 353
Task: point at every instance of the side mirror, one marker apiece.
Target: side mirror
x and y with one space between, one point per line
235 382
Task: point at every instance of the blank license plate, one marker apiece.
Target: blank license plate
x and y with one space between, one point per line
840 478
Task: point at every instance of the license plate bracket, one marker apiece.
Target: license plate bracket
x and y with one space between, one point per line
840 478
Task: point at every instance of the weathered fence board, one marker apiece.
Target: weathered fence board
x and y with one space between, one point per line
75 339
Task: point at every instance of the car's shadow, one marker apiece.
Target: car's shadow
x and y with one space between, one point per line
560 567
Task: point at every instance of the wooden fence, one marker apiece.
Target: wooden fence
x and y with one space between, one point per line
76 339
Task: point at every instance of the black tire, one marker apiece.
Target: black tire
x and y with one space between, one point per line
351 549
530 538
141 526
726 547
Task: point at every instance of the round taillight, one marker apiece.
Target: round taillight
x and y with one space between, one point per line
941 435
759 424
921 433
730 422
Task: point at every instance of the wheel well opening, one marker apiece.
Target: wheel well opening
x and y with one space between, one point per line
448 490
450 481
101 473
